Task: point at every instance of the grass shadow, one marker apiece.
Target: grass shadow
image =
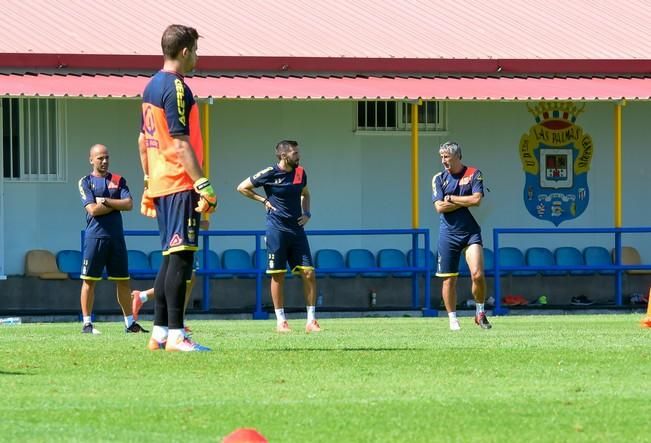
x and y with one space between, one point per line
359 349
12 373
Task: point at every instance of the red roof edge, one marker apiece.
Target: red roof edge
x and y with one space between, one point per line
329 64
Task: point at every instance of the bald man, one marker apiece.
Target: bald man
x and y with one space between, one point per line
104 196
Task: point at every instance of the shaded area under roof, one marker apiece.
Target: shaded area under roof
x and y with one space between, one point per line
342 88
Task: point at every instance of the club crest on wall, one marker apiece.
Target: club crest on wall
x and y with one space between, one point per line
556 156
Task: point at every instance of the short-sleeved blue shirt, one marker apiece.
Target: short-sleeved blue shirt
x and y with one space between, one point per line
467 182
110 186
283 190
168 92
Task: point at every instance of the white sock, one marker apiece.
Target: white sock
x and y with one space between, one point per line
128 320
174 335
159 333
87 319
479 308
143 296
454 323
311 314
280 315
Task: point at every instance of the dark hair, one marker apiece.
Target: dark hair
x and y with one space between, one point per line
284 146
177 37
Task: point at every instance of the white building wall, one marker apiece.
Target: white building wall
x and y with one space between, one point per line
356 181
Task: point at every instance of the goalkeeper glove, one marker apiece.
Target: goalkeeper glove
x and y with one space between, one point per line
147 207
208 200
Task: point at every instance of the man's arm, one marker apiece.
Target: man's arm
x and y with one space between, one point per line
147 207
119 204
442 206
453 202
96 209
142 150
186 157
305 206
466 201
246 188
305 200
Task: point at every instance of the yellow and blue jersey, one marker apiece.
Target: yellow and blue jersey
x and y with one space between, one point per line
467 182
110 186
283 190
168 110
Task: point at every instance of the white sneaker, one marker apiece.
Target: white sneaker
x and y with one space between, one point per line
454 325
184 344
90 329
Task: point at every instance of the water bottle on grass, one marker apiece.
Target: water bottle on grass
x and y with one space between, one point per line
10 321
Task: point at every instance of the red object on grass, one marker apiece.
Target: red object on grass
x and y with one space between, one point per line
245 435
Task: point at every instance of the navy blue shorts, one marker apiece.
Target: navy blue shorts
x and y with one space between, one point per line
178 222
105 252
287 247
450 247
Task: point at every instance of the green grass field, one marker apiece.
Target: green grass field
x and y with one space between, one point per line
539 378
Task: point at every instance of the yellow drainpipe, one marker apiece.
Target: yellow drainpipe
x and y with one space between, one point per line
205 134
414 164
618 163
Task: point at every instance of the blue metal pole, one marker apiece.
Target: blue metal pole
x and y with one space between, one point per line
415 290
426 264
258 314
428 311
497 310
206 277
619 272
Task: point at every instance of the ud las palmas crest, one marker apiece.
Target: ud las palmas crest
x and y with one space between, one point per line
556 156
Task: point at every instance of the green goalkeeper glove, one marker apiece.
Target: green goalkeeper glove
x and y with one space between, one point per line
208 200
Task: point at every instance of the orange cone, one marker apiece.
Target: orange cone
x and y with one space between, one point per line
646 321
244 435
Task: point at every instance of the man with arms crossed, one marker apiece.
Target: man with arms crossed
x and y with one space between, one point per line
454 190
104 196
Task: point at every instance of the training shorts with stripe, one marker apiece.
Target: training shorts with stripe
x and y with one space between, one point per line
450 247
285 247
105 252
178 222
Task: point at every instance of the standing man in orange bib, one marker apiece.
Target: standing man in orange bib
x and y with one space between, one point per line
176 189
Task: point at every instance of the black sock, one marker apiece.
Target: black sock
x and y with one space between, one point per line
160 301
178 270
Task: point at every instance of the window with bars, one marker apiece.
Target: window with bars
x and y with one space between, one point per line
32 139
393 116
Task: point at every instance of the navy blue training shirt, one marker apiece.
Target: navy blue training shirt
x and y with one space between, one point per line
467 182
283 190
111 186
